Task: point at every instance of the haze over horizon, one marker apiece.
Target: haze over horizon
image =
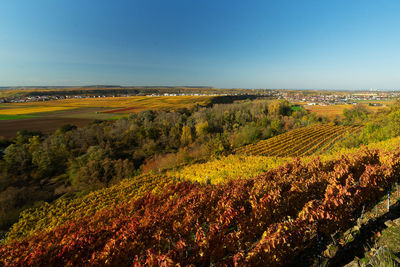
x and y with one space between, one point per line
226 44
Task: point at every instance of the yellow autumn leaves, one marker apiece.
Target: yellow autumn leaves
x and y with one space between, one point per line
48 216
246 166
228 167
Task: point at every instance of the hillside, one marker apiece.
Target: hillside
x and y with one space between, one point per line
293 194
269 218
76 158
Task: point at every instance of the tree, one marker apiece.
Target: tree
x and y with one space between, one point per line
279 107
186 136
355 115
18 159
97 174
66 128
51 157
202 129
276 126
248 134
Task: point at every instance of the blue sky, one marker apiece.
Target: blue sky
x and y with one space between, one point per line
229 44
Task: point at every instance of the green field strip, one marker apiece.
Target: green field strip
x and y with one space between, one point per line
16 117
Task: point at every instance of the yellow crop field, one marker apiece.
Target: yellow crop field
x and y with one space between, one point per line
328 111
123 104
332 111
30 110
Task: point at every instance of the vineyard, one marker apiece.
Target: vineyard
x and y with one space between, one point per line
49 216
219 171
266 220
299 142
239 166
228 168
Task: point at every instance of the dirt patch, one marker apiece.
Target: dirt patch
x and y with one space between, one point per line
121 110
8 128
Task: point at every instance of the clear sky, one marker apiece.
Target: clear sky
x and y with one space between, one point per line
332 44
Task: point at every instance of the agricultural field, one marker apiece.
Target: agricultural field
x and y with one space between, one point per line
239 166
31 110
15 117
328 111
10 126
123 104
333 111
47 116
299 142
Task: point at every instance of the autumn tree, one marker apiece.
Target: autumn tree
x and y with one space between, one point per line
186 136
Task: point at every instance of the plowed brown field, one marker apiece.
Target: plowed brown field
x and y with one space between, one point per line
8 128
